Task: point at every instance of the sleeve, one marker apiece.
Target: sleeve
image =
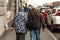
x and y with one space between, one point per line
42 22
13 21
12 25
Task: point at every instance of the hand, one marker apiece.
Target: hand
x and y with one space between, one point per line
10 28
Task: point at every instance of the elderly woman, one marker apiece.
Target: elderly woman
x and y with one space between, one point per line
19 23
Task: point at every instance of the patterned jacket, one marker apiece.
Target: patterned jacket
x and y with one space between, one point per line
19 22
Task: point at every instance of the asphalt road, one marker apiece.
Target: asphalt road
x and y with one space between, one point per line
57 34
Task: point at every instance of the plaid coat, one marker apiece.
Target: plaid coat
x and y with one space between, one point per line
19 22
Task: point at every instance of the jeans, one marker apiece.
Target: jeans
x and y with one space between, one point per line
35 33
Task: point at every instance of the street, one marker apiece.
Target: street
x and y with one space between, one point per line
10 35
50 11
57 34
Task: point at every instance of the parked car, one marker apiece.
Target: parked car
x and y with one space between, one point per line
53 20
43 9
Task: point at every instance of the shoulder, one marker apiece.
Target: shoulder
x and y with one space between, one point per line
25 7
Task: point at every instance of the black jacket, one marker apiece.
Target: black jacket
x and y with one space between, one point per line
40 22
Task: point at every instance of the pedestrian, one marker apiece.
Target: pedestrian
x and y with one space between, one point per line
26 8
34 24
45 15
19 24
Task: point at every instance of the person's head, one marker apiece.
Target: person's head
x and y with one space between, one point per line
19 9
33 10
26 4
30 6
40 10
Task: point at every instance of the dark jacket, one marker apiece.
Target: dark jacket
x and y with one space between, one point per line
39 21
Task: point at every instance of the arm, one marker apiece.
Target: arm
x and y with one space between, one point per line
12 25
42 22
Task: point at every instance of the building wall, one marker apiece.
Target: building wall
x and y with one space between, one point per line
26 1
56 3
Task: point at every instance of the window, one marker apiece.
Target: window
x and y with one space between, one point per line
59 10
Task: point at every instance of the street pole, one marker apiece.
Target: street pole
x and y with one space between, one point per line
16 7
19 3
5 11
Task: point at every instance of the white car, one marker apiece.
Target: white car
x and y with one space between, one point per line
44 9
53 21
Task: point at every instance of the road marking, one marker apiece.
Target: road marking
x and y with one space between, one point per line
51 34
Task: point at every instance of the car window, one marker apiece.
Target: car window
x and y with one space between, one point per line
59 10
43 10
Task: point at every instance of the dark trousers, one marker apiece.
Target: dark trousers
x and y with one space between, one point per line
20 36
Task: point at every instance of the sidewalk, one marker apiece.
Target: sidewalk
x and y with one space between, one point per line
8 35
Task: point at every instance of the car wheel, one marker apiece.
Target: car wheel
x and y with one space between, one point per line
51 29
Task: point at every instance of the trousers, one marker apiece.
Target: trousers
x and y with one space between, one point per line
20 36
35 35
